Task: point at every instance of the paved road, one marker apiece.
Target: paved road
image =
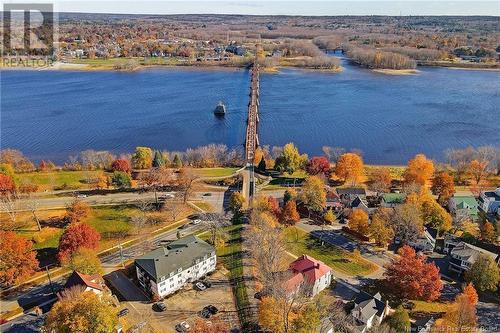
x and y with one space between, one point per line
106 199
42 293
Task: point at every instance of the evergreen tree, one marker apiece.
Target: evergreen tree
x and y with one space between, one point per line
400 320
262 165
158 159
177 163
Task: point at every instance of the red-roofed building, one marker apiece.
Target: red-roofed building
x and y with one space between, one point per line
93 283
313 274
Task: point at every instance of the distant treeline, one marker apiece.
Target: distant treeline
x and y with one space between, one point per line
378 59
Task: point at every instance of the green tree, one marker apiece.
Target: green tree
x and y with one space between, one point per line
400 320
313 194
289 194
290 160
84 312
262 165
84 261
177 162
484 274
142 158
158 159
121 179
307 320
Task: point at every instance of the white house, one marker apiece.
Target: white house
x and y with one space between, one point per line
426 241
489 201
368 311
311 274
464 255
167 269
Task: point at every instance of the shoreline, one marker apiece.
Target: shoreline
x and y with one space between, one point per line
387 71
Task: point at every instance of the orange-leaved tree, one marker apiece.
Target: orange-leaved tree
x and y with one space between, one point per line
419 170
412 277
350 168
443 186
18 260
358 221
290 215
77 211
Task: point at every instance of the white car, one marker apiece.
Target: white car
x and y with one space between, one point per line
197 221
81 196
182 327
200 286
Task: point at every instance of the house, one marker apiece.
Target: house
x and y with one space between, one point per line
391 200
360 202
309 273
489 201
464 255
466 204
427 240
368 311
422 325
167 269
94 283
333 200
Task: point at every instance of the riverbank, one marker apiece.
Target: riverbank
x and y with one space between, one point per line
396 71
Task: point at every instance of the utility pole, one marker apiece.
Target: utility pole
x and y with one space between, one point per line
121 254
50 280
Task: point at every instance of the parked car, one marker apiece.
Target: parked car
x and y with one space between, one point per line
197 221
205 313
81 196
182 327
159 307
166 196
212 308
123 312
200 286
207 283
208 194
184 226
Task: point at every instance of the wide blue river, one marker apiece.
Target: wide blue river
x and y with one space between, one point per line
55 114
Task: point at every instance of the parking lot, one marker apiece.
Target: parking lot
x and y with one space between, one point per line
186 304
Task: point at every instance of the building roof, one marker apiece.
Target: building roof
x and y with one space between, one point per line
470 253
351 191
466 202
367 305
359 203
394 198
79 279
310 268
179 254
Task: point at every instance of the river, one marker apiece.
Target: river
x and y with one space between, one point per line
390 118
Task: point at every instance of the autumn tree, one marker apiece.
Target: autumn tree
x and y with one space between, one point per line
443 186
488 232
359 221
290 194
7 169
186 181
76 236
6 184
380 229
121 179
435 216
407 222
215 325
350 168
329 217
380 180
122 165
484 274
319 165
313 194
461 316
271 318
478 170
290 159
400 320
142 158
85 261
290 215
471 293
269 204
412 277
86 312
419 170
236 202
307 320
18 260
77 211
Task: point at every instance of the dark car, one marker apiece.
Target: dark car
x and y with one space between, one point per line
123 312
207 283
159 307
205 313
213 310
184 226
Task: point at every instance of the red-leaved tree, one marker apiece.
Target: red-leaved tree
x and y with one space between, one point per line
6 184
121 165
77 235
319 165
412 277
17 258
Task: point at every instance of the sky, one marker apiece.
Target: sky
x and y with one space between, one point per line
279 7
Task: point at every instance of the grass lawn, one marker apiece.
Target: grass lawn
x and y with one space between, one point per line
112 221
299 242
430 307
57 179
215 172
203 205
231 257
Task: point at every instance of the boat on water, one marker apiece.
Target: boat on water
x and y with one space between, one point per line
220 109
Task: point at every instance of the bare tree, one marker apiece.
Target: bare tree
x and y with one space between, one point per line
186 182
332 153
9 204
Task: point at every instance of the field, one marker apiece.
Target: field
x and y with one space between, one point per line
299 242
215 172
57 180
